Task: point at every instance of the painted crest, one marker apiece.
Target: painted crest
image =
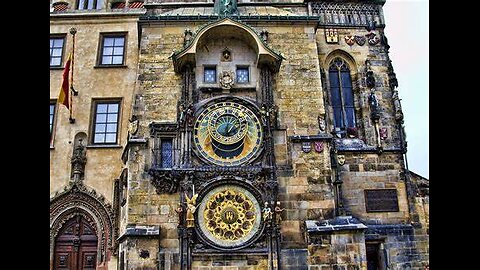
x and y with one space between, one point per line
306 147
341 160
360 40
227 79
319 147
383 133
133 127
331 35
350 40
372 38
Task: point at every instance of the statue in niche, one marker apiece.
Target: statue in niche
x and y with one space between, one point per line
79 159
267 213
278 213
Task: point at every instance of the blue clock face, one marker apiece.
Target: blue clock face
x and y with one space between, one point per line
228 134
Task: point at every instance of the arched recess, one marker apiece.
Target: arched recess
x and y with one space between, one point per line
355 85
77 200
225 28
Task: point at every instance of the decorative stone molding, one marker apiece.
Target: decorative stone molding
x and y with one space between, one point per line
77 199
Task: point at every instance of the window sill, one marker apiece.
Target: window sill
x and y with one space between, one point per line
56 68
104 146
110 66
52 147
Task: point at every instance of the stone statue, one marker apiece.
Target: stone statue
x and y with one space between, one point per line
191 207
187 37
321 123
79 159
267 213
179 211
370 79
278 213
225 7
374 108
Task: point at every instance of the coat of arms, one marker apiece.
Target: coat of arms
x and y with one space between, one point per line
372 38
360 40
319 147
306 147
227 79
383 133
331 35
350 40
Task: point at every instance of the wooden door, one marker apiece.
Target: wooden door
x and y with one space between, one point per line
76 246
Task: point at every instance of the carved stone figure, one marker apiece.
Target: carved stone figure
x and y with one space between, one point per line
267 213
321 123
264 35
179 211
397 106
370 79
79 159
189 114
191 207
226 7
278 213
188 37
374 107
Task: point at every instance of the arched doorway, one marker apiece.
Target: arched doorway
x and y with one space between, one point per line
76 246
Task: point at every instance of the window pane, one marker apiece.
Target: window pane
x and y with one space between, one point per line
90 4
118 51
108 41
111 138
350 117
210 75
117 60
51 119
107 51
101 118
112 118
167 160
55 61
52 109
111 127
338 119
106 60
99 138
99 128
348 96
113 108
102 108
99 4
51 42
57 52
119 41
58 42
81 4
346 80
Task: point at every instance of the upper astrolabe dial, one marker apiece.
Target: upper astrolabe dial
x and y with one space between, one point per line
227 133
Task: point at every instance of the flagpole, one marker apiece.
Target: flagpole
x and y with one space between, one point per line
73 31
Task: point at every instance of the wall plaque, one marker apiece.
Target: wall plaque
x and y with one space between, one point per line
381 200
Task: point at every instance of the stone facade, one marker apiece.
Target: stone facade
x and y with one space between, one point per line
343 196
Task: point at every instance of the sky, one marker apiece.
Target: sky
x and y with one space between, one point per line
407 32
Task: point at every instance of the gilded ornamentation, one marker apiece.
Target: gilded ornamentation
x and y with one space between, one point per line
191 208
229 215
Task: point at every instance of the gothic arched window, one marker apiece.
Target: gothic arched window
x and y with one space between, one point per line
341 93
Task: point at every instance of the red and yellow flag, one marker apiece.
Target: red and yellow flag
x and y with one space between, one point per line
64 96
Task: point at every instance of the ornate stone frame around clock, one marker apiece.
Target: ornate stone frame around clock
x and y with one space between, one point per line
199 107
229 180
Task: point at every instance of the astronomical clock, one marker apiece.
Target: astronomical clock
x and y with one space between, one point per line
228 133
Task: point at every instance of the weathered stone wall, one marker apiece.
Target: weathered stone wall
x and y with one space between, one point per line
356 57
230 262
406 247
373 171
342 250
103 164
